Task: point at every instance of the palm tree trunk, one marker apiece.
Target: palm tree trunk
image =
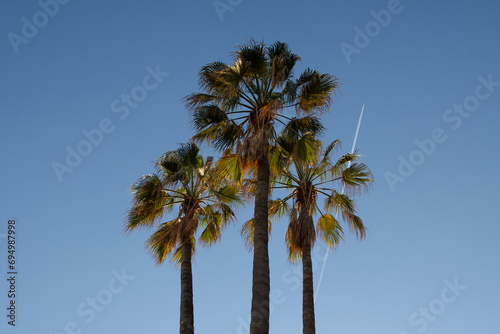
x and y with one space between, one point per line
308 322
187 311
259 323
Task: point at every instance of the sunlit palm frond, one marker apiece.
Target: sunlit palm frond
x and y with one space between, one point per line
228 194
177 254
229 167
248 233
307 149
293 239
357 177
278 208
331 148
329 229
338 202
222 135
355 224
166 238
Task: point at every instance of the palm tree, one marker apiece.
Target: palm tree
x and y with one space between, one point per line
186 181
309 176
237 112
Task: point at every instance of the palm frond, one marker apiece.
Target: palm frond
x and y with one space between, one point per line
355 224
222 135
229 194
253 56
177 254
149 203
208 75
338 202
329 230
357 177
315 91
248 233
197 100
166 238
207 115
282 62
278 208
229 167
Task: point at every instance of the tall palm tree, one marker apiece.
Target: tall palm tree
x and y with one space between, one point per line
237 112
309 176
186 181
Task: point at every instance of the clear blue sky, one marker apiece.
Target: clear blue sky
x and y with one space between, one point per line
423 77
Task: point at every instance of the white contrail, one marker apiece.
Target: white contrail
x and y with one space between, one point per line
337 215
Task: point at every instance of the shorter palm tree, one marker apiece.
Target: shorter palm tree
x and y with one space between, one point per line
306 177
184 180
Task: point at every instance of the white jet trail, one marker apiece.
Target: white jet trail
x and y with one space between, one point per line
337 215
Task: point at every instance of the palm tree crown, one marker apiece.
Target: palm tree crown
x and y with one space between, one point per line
310 177
241 102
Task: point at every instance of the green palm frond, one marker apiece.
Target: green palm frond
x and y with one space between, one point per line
247 233
208 78
329 230
229 194
289 94
338 202
230 167
298 126
253 56
177 254
315 91
282 62
207 115
190 156
212 222
277 162
307 148
149 203
293 239
222 135
357 177
278 208
197 100
332 147
355 224
166 238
